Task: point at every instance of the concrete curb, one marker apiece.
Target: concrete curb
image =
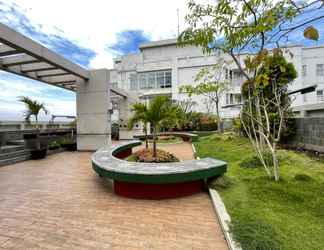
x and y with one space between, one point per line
224 219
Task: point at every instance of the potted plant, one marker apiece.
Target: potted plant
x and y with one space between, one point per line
33 108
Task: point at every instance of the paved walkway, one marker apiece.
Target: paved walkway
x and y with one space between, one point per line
59 203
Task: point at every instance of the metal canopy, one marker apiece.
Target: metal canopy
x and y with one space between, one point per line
23 56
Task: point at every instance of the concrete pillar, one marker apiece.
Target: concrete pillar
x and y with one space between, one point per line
93 118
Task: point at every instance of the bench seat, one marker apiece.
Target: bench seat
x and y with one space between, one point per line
106 164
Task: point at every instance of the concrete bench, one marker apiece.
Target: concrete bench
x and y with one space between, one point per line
153 180
184 135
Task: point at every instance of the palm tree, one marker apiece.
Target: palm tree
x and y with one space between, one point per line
140 115
33 108
160 110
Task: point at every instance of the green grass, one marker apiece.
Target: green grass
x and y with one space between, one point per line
288 214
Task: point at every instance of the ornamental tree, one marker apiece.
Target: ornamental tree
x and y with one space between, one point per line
266 108
211 84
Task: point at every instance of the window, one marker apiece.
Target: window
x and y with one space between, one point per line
304 70
133 82
168 81
151 81
233 98
320 69
320 95
142 81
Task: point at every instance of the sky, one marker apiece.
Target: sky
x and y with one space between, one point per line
89 33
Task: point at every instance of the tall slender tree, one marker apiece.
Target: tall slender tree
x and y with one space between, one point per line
160 110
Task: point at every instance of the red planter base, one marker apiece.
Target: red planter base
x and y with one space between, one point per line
157 191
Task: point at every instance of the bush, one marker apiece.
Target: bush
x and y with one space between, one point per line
303 177
254 234
146 155
54 145
254 161
221 182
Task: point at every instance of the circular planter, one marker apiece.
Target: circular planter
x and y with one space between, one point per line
154 180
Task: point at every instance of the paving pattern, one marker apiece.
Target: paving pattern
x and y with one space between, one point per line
59 203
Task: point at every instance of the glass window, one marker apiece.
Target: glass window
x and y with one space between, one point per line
320 69
133 82
160 79
151 80
304 70
168 79
142 81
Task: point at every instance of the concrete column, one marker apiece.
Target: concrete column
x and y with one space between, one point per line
93 118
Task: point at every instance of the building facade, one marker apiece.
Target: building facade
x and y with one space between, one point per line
161 68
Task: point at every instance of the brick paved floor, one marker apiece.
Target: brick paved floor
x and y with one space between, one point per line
59 203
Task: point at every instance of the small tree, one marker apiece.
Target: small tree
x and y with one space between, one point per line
140 115
159 110
211 84
33 108
265 126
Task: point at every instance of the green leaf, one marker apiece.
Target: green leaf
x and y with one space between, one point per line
311 33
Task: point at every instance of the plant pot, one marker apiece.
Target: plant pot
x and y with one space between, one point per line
37 154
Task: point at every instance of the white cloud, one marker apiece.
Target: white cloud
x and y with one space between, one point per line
94 24
91 24
57 101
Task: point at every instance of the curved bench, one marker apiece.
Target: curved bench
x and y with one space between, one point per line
184 135
154 180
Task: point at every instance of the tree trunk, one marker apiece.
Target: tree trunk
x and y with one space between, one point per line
275 162
146 139
154 142
219 121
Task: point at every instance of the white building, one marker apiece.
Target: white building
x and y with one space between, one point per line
161 67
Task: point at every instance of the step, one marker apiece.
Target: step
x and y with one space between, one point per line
11 148
9 155
16 142
14 160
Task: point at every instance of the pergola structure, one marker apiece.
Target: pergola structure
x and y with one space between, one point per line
23 56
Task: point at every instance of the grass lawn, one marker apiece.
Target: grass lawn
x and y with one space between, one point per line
265 214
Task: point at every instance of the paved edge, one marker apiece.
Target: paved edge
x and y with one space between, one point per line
224 219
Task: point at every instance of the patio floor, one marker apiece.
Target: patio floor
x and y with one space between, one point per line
59 203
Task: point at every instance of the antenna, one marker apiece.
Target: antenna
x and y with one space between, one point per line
178 22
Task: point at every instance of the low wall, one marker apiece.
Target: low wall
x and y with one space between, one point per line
46 134
309 133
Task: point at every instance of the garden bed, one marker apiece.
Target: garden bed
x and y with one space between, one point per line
265 214
146 155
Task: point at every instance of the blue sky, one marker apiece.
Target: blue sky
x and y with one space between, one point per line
89 33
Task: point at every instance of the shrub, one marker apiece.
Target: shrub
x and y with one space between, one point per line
221 182
254 161
303 177
54 145
146 155
255 234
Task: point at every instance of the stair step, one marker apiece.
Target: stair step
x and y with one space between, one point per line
13 154
11 148
14 160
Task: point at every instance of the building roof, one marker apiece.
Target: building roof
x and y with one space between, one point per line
158 43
